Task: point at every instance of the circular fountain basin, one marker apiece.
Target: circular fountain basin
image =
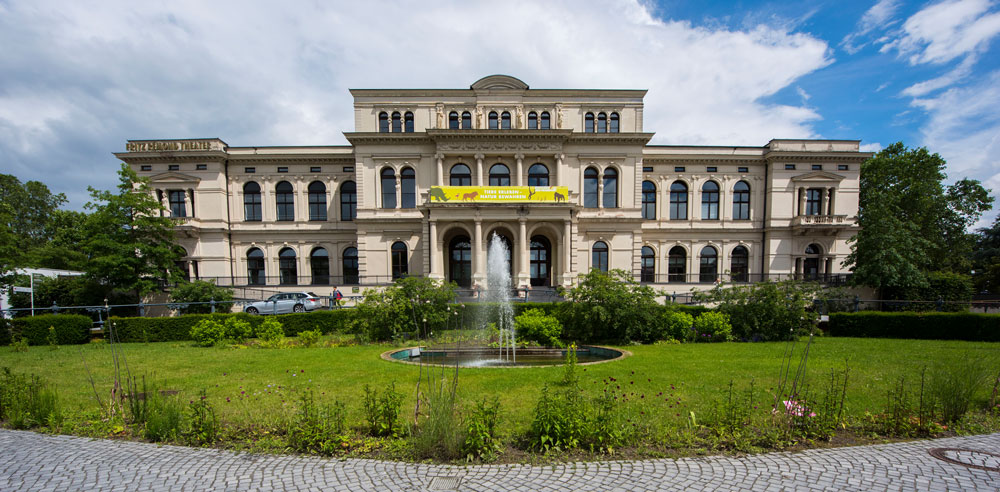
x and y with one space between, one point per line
492 357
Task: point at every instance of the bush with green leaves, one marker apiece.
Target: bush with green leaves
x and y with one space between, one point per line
318 428
165 418
954 386
208 332
403 307
309 338
712 327
271 333
27 402
534 325
201 293
482 440
610 307
765 311
69 329
382 410
925 326
676 324
204 428
238 329
956 288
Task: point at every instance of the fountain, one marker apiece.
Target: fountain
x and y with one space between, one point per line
498 309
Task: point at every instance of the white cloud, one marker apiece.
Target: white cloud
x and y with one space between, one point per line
945 31
878 16
957 74
85 77
870 147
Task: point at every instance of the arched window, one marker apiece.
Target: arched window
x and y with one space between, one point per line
538 175
466 120
614 123
602 123
286 267
810 266
399 266
540 261
460 175
610 197
532 120
588 123
348 200
545 121
505 120
741 201
648 200
408 188
678 201
710 201
319 263
350 266
709 265
388 188
599 260
494 120
397 122
648 265
408 119
317 201
499 175
251 202
590 188
460 261
453 120
739 268
677 265
255 267
284 197
383 122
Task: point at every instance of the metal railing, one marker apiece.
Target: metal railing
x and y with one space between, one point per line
730 278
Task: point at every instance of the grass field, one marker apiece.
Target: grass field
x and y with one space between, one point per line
261 387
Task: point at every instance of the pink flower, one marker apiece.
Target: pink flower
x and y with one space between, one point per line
793 407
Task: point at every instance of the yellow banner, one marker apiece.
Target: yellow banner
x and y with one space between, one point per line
498 194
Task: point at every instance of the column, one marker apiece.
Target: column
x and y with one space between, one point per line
558 170
479 169
523 274
440 169
694 208
478 256
822 266
662 200
436 259
568 258
825 200
520 169
832 206
802 201
798 266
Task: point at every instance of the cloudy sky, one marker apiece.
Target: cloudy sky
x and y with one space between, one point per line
78 79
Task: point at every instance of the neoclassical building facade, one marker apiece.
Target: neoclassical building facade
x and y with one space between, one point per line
566 178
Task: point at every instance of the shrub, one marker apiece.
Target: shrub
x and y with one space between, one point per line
712 327
179 327
19 345
26 402
940 326
201 291
271 333
309 338
765 310
69 329
382 412
336 321
676 324
948 286
208 332
238 329
534 325
318 429
610 307
384 315
481 438
954 385
204 425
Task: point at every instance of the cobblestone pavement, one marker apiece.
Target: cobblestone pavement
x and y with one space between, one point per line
38 462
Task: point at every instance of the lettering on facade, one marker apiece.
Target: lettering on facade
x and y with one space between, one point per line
169 145
501 194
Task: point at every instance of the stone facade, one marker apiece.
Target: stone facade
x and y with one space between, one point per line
676 217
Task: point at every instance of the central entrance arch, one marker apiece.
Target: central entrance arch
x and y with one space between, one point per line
540 261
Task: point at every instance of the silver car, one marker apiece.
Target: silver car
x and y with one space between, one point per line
286 302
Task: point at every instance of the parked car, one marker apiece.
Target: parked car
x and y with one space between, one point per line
286 302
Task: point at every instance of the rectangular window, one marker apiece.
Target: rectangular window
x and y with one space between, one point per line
348 169
249 170
282 169
147 168
201 167
789 167
817 167
315 170
712 169
647 169
173 167
744 169
842 167
679 169
176 198
813 201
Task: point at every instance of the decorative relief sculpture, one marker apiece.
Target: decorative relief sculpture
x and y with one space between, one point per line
559 116
479 116
520 117
440 115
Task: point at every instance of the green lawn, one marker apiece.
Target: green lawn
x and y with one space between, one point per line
261 386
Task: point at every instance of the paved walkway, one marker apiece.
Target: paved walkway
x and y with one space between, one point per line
37 462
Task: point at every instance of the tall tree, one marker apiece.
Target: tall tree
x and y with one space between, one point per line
129 245
986 258
29 216
910 222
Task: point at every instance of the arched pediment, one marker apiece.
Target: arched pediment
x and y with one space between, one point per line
503 82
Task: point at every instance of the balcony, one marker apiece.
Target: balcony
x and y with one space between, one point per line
821 224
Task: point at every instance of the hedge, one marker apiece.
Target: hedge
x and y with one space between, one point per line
179 327
70 329
971 327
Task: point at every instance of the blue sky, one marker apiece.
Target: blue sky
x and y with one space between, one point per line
78 80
